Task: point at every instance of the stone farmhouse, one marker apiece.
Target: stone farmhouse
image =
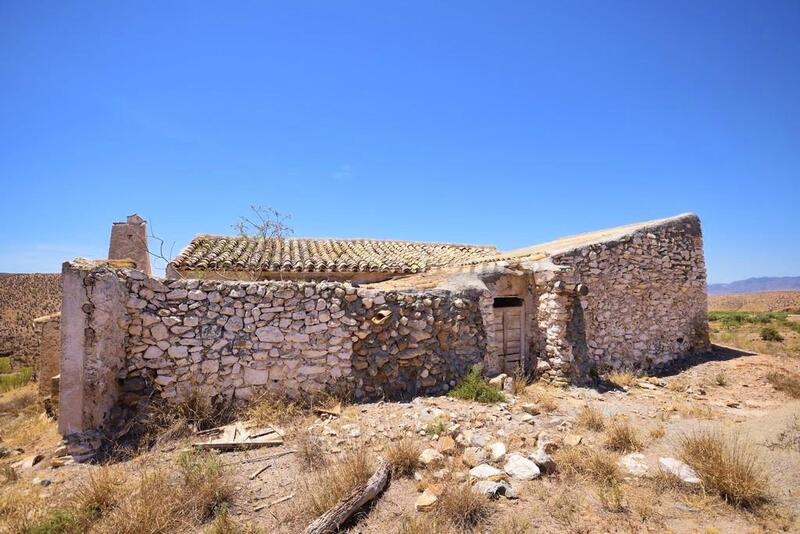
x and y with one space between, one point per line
381 319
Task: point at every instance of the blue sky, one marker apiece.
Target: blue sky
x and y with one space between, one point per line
481 122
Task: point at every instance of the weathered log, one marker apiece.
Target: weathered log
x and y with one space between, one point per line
334 518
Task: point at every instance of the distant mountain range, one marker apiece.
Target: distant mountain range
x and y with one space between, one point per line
751 285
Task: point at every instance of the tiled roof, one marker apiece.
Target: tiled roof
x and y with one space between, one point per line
215 253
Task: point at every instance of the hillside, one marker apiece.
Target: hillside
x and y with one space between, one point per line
751 285
763 301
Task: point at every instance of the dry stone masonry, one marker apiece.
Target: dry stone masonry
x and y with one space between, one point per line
633 302
233 338
631 297
180 338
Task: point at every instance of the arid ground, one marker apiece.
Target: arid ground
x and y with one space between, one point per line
733 415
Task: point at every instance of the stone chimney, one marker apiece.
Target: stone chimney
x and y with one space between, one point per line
129 241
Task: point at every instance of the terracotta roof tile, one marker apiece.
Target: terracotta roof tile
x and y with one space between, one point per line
214 253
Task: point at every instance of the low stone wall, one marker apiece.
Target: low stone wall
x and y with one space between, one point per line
217 338
48 331
23 298
645 303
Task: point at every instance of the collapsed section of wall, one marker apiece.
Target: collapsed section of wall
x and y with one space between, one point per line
181 338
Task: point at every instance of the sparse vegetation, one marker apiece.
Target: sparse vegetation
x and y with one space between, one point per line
310 450
622 437
403 455
721 379
326 487
437 427
11 381
5 364
461 507
769 333
591 419
598 465
543 398
785 382
474 388
565 509
622 378
789 437
728 466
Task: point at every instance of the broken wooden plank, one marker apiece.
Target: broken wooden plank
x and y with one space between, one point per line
259 471
282 499
331 520
262 458
237 445
336 409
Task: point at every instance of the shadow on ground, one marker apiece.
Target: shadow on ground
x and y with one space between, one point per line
718 353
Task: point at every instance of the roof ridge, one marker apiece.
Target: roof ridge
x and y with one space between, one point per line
353 239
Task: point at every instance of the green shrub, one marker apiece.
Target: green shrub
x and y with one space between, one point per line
475 388
769 333
5 364
58 521
14 380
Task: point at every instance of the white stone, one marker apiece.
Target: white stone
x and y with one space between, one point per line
679 469
497 450
484 471
430 457
521 468
634 463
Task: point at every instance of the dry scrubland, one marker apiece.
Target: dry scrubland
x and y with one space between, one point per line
23 298
734 417
763 301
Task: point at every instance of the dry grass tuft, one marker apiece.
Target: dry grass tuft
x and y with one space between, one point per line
101 493
599 466
270 408
19 399
403 456
463 508
678 384
621 437
513 525
721 379
788 383
20 508
728 466
310 450
325 488
543 398
210 489
565 508
428 524
591 419
789 437
623 378
612 497
519 381
224 524
657 432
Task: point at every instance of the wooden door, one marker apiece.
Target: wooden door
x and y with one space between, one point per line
510 336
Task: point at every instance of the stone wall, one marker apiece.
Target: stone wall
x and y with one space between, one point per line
23 298
644 306
211 338
47 364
